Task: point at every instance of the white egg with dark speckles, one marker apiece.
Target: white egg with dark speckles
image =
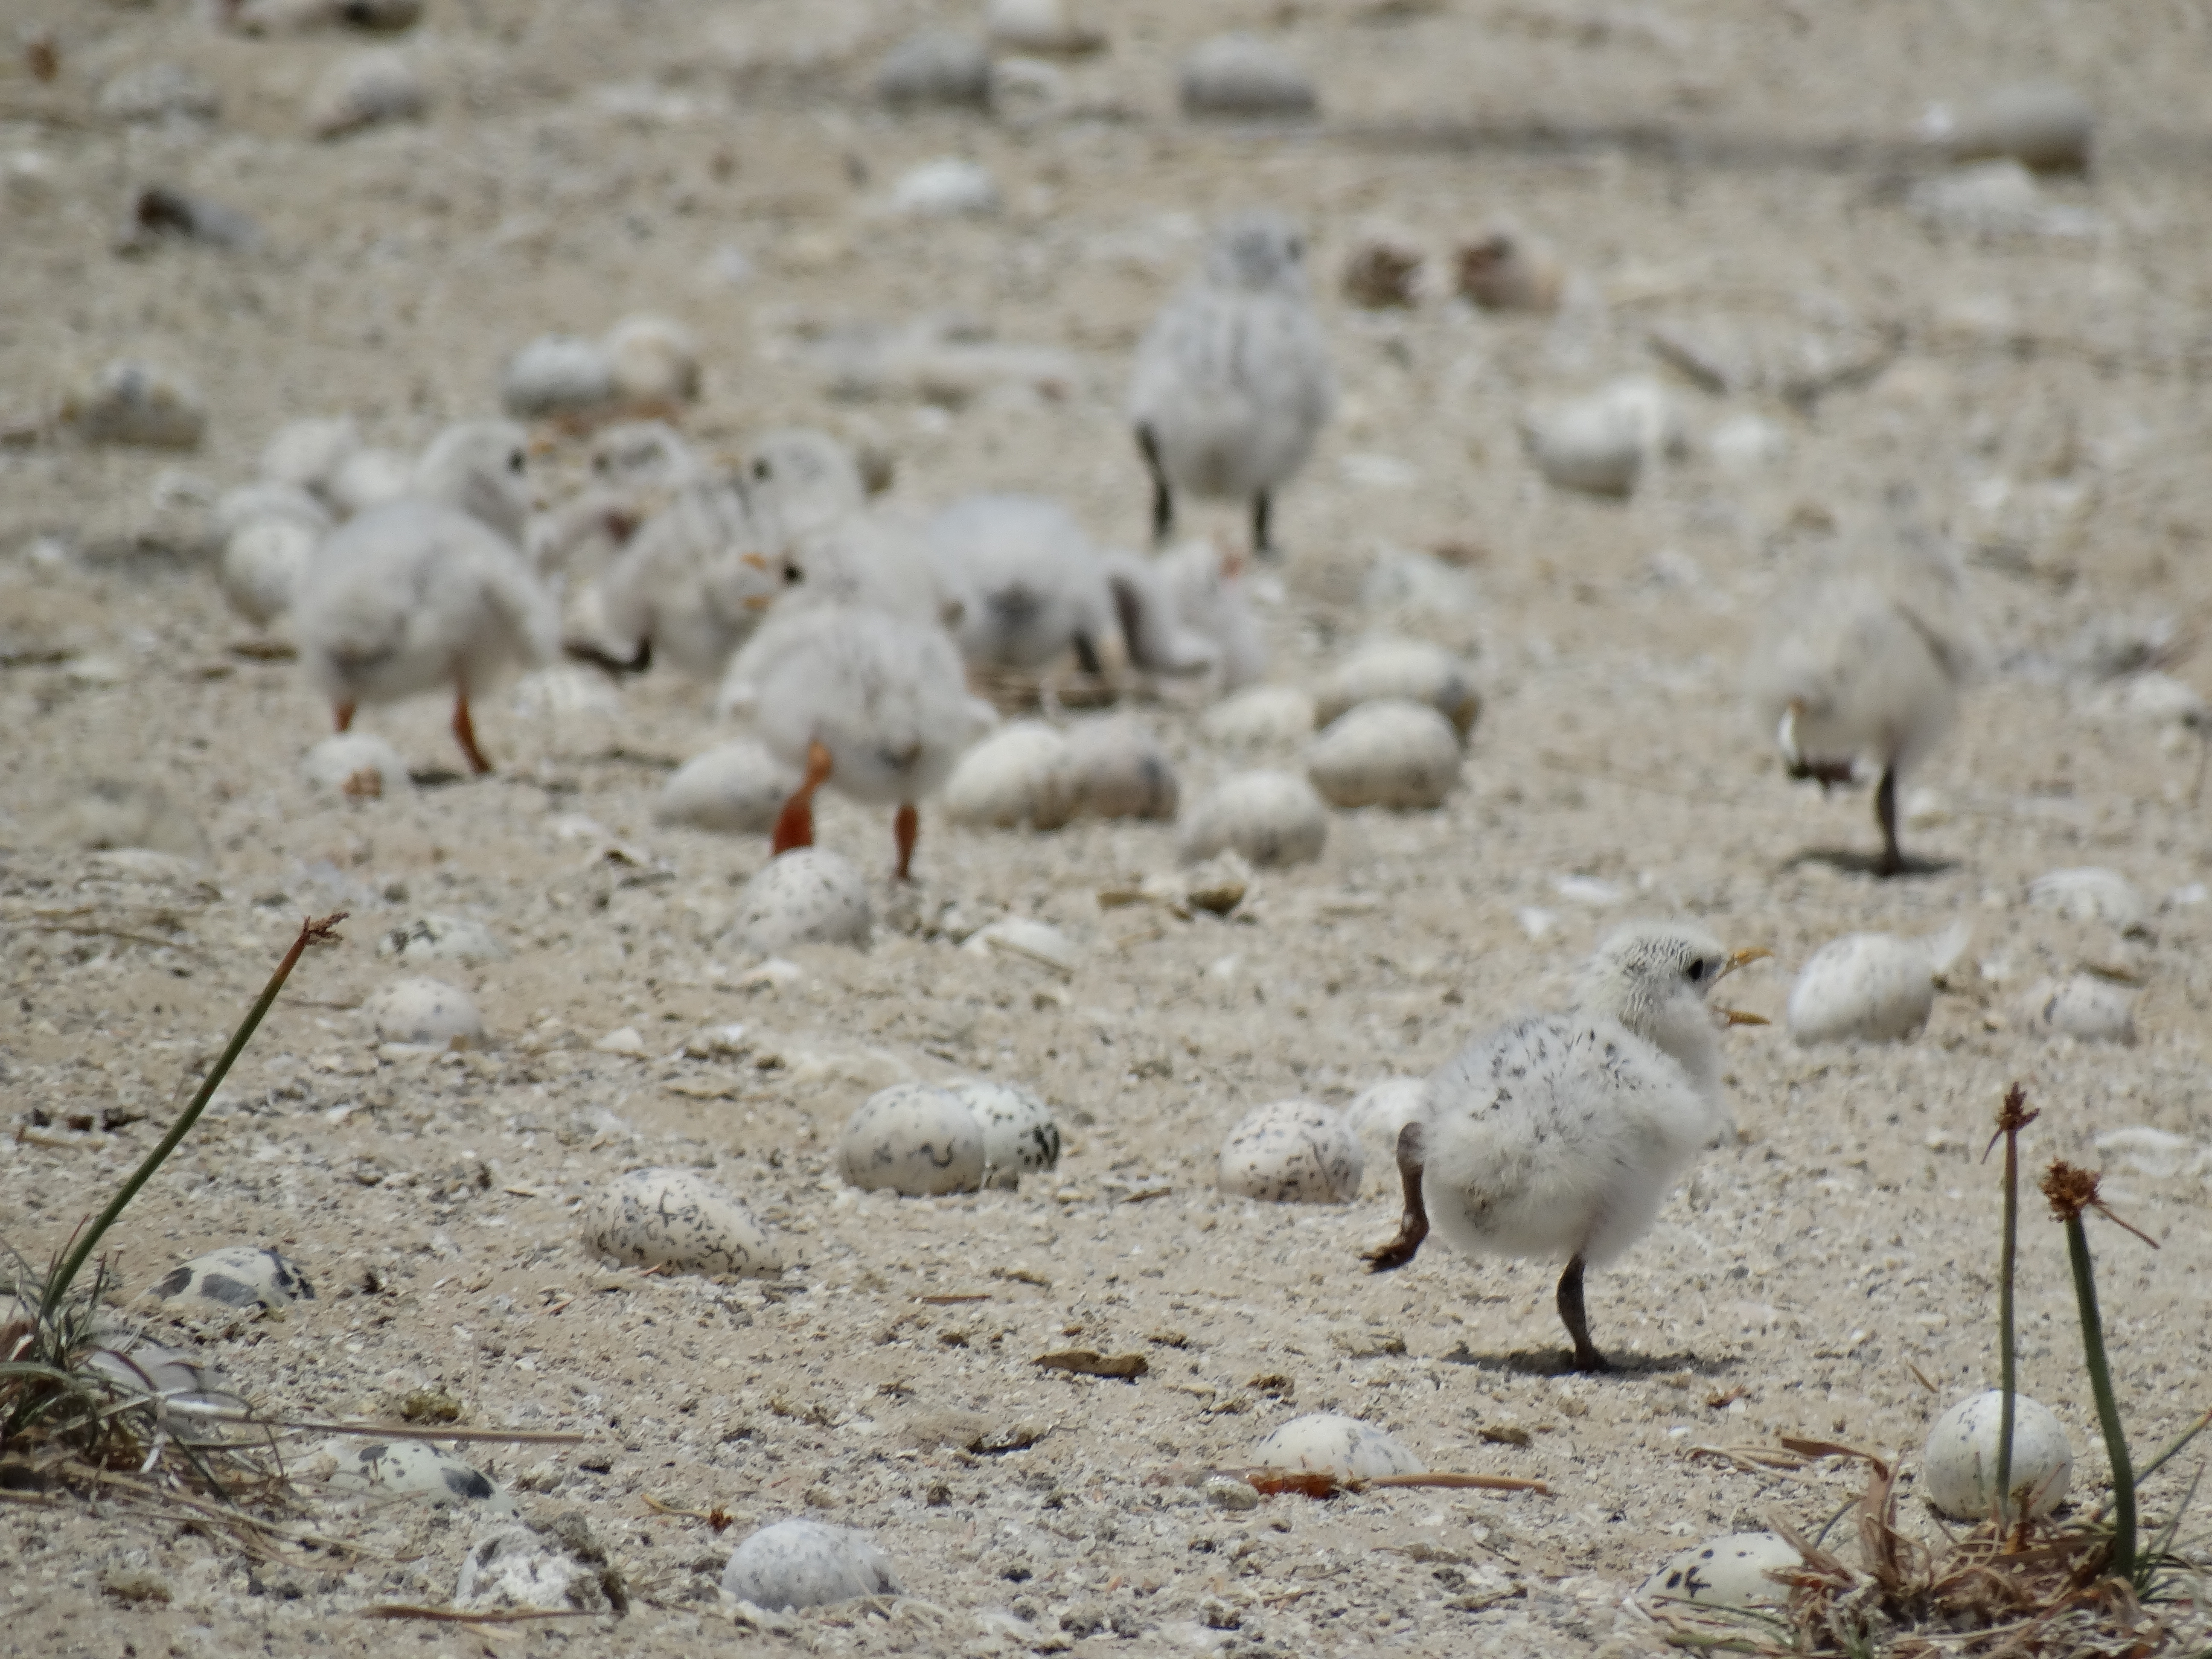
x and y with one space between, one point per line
737 788
1260 717
1021 774
914 1139
236 1276
2085 1007
1958 1465
678 1219
412 1468
420 1010
1268 818
809 895
1875 986
1725 1573
1327 1441
1122 770
1410 669
442 939
807 1564
1388 752
1019 1137
1292 1151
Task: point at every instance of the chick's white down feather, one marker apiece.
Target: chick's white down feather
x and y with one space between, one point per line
1034 584
694 582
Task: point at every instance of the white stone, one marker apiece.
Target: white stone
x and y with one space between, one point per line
1260 717
1958 1465
1024 773
556 374
1243 75
1019 1135
409 1468
807 1564
1747 443
1725 1573
1875 986
1122 770
914 1139
359 764
1410 669
426 1011
1600 445
945 188
1292 1151
1268 818
678 1219
738 787
2090 894
809 895
2083 1006
1389 752
442 939
365 89
1327 1442
236 1276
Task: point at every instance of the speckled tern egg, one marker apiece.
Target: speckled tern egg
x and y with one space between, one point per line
1342 1446
1292 1151
1387 753
914 1139
1725 1573
420 1010
1019 1137
1267 816
678 1219
808 895
1959 1466
737 788
442 939
1121 770
807 1564
1863 985
556 374
1260 717
1024 773
412 1468
236 1276
1410 669
2084 1008
357 765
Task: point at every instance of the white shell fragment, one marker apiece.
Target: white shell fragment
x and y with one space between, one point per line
1386 753
1019 1137
429 1012
556 374
1292 1151
1327 1441
1243 75
357 765
1260 717
1411 669
412 1468
1267 816
914 1139
558 1568
806 1564
442 939
678 1219
2085 1007
1121 769
1028 938
737 788
2090 894
1725 1573
365 89
236 1276
137 404
809 895
1021 774
1958 1467
1863 985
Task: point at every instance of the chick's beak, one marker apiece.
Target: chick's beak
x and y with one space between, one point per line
1741 1017
1750 953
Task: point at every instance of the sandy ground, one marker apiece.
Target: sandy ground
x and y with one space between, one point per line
1711 164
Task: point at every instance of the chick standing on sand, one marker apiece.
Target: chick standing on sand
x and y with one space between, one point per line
431 589
1869 666
1233 380
1561 1134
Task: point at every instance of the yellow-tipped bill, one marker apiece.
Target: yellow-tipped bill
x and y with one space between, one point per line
1742 1017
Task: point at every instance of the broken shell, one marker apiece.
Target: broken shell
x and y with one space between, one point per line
356 763
1267 816
556 374
1959 1466
914 1139
1863 985
1039 942
412 1468
1327 1441
1121 769
137 404
365 89
807 1564
1019 1137
1725 1573
1244 75
738 787
2084 1006
1292 1151
678 1219
1388 752
809 895
1260 717
560 1567
424 1010
1023 773
234 1277
1410 669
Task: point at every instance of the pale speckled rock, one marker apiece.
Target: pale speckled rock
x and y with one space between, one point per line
1388 752
559 1566
946 187
807 1564
1292 1151
1875 986
1023 774
1269 817
737 788
678 1219
1377 1114
1327 1441
236 1276
138 404
1122 769
653 361
426 1011
2083 1006
556 374
935 66
1019 1135
809 895
1724 1572
366 89
441 939
1260 717
914 1139
360 764
1958 1465
1242 75
1410 669
2090 894
409 1468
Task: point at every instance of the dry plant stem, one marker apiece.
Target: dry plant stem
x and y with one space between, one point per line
2011 1119
58 1283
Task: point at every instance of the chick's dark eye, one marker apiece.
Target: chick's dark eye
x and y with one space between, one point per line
763 471
515 462
1697 970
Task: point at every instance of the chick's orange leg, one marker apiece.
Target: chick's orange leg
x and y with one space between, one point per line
464 733
794 826
343 711
906 827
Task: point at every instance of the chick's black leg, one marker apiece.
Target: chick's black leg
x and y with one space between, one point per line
1413 1224
1587 1358
1263 546
1163 494
1884 812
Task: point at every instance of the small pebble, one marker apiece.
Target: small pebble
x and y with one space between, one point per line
410 1469
2084 1006
1268 818
1342 1446
914 1139
556 374
366 89
1384 273
738 787
159 92
1410 669
1260 717
442 939
1958 1465
678 1219
234 1277
1019 1137
1242 75
1023 773
809 895
1601 444
946 188
1122 769
1292 1151
1725 1573
139 404
357 765
935 66
426 1011
1388 752
807 1564
1875 986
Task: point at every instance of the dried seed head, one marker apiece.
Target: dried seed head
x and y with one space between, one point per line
2011 1117
2070 1190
